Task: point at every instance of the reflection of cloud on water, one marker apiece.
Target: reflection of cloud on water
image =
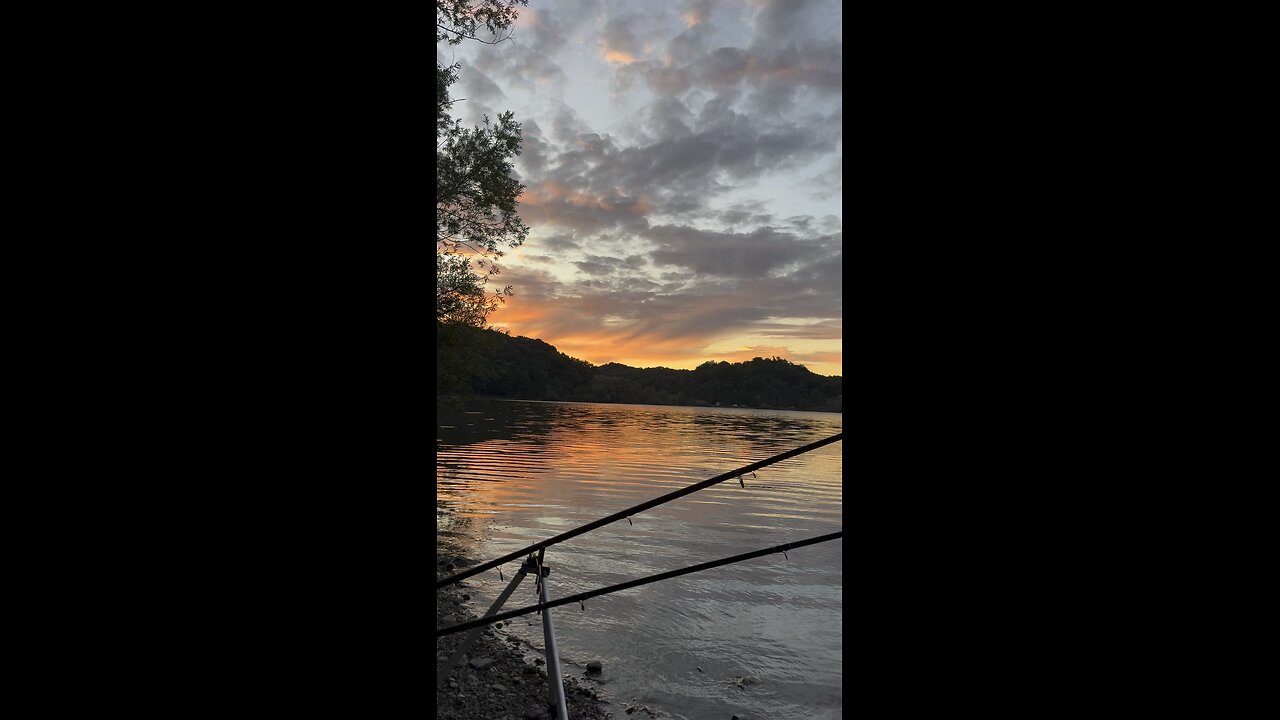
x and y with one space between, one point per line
551 466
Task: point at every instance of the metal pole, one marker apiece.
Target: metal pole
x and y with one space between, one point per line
553 654
540 607
443 671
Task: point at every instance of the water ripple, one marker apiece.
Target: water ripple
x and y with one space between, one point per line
509 474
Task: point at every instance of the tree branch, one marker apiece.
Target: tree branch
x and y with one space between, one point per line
473 37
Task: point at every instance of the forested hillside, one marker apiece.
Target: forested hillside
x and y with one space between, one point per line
471 360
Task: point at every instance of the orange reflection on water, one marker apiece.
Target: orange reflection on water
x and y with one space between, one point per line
569 463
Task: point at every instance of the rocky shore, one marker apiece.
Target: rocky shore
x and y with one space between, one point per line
493 681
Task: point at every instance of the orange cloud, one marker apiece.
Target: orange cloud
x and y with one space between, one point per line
578 328
527 17
836 358
617 56
754 351
550 193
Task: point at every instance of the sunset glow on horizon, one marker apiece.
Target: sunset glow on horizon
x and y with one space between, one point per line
682 163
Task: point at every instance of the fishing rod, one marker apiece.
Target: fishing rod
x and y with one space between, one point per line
634 583
637 508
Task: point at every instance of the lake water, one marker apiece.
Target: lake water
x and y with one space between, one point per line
511 473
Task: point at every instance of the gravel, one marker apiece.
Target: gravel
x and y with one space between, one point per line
507 686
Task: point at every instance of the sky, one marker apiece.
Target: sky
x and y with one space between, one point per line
682 163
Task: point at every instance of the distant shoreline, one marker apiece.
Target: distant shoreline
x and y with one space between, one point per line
490 364
455 397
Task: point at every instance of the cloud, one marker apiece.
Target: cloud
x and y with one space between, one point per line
560 242
747 256
528 59
754 351
605 265
809 331
661 232
715 125
618 42
745 213
830 182
619 304
480 95
782 23
594 265
677 172
553 203
824 357
601 320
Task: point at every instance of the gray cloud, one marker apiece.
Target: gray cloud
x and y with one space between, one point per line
598 265
480 95
830 182
480 88
619 35
644 315
594 268
534 150
699 11
606 265
746 213
653 217
727 117
748 256
811 331
560 242
783 23
678 173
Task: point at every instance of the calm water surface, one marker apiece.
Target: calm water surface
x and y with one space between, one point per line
511 473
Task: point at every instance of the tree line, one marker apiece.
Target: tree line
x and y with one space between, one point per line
478 361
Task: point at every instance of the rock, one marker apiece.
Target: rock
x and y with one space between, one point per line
498 624
466 597
534 713
499 687
481 663
453 683
700 670
463 561
595 667
538 661
518 682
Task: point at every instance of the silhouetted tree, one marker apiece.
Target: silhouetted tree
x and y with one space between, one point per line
487 362
475 189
